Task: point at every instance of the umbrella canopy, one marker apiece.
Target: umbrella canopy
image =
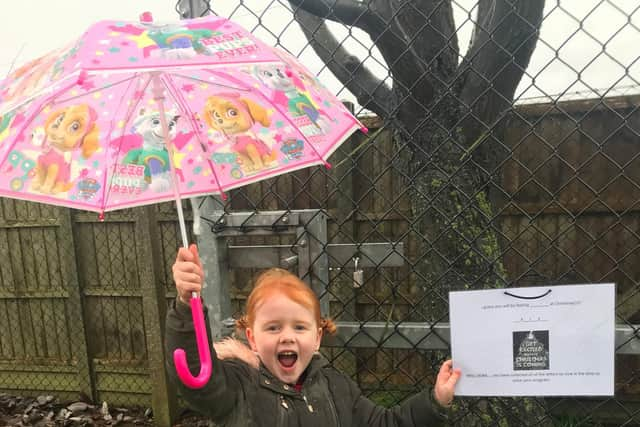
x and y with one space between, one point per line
84 126
134 113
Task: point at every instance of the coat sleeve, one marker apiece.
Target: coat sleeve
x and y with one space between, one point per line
419 410
220 395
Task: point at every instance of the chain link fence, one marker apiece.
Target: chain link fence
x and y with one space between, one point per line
475 174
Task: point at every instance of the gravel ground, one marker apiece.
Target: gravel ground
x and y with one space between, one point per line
47 411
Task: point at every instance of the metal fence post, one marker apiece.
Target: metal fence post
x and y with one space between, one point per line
313 256
214 257
163 396
215 292
192 8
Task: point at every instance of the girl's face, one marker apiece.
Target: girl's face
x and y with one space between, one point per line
285 336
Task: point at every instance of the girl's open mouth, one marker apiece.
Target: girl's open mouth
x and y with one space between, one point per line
287 359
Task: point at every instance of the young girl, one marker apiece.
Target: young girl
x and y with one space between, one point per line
283 380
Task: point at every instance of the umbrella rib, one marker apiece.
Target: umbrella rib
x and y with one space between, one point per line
282 113
182 76
192 65
129 110
34 96
15 58
168 82
132 107
98 89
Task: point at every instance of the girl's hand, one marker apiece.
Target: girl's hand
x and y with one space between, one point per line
446 381
187 273
230 348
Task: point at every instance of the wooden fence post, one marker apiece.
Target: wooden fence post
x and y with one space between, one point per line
345 213
154 307
69 272
345 220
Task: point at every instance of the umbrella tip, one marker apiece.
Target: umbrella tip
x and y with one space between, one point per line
364 129
101 217
146 17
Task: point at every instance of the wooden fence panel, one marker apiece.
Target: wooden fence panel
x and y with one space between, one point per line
42 328
109 267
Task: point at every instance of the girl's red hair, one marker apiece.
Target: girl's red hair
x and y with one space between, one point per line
277 280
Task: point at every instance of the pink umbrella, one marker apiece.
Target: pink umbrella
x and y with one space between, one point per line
135 113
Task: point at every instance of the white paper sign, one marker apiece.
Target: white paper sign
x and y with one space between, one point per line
537 341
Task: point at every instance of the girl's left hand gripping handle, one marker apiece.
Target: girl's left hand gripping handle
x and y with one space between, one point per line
180 357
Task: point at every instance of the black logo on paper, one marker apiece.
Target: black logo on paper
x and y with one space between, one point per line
530 350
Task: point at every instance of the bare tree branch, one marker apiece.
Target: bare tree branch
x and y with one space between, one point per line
375 17
417 39
486 10
347 12
430 29
371 92
504 39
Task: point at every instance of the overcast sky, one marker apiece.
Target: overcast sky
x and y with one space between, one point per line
605 51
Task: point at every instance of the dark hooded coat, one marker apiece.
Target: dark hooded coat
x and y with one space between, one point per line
239 395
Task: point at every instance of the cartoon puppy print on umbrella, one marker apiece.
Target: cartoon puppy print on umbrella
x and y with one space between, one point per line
32 76
306 81
289 94
177 42
153 154
234 116
27 78
66 131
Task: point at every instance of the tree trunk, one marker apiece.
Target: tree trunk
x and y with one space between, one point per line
452 217
445 116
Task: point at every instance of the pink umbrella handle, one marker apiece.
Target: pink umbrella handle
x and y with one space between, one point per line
180 357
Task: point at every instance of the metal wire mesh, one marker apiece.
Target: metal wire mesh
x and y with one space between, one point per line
487 177
481 169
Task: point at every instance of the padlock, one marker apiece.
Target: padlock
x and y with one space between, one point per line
358 275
